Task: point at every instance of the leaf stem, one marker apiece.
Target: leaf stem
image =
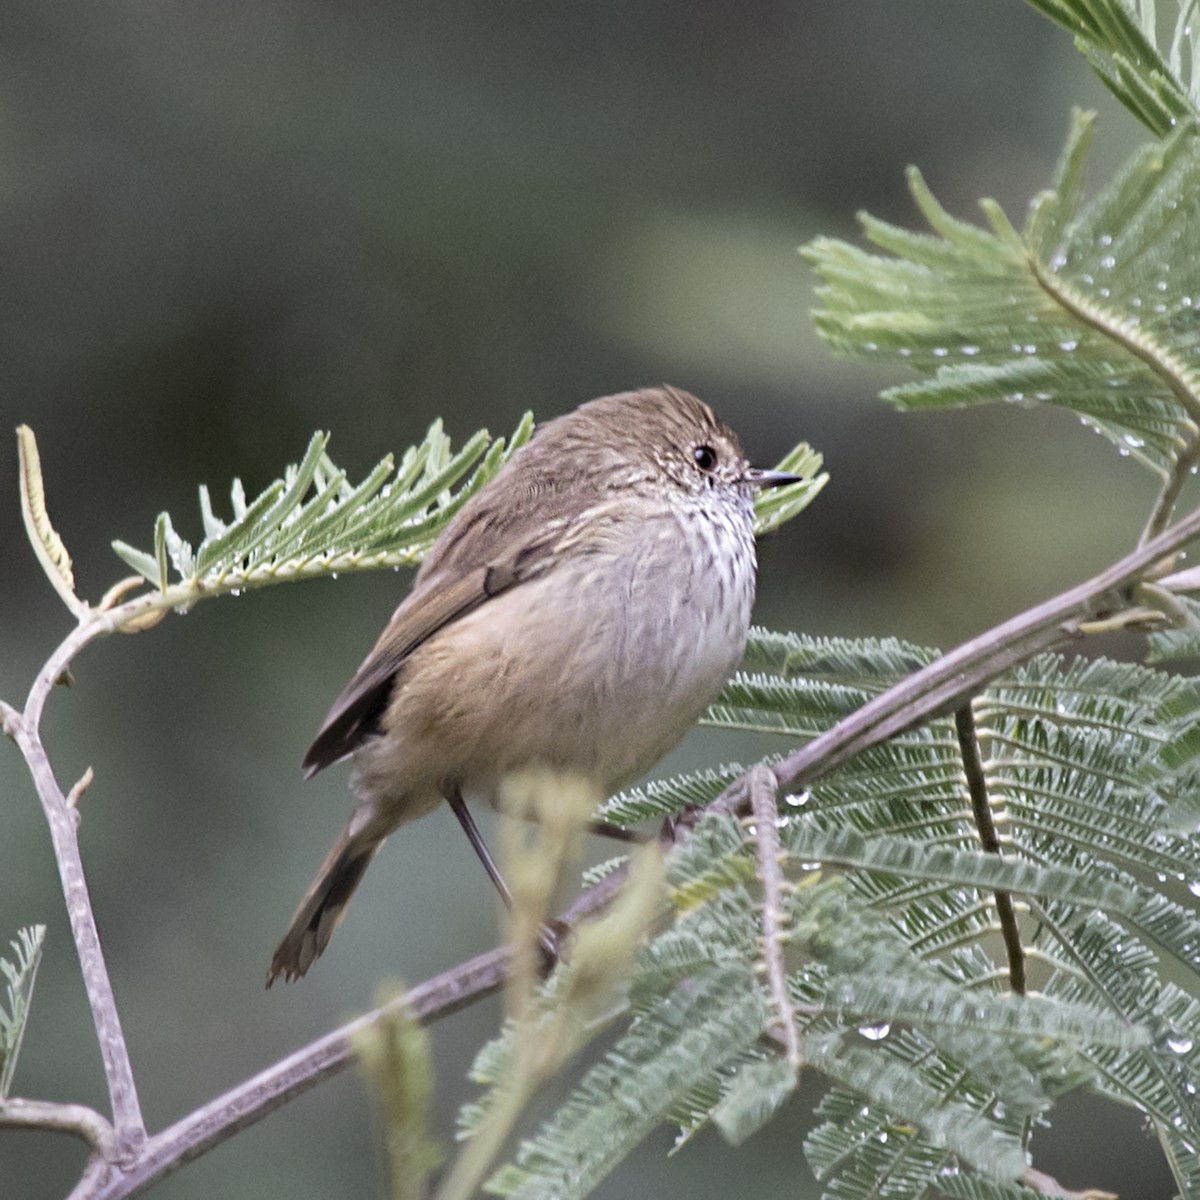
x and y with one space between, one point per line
770 874
968 741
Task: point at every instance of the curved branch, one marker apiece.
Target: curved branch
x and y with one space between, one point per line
75 1119
250 1101
61 817
943 685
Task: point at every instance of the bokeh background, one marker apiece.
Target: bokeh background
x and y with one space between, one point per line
224 225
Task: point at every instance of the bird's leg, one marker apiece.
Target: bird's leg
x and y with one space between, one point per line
684 820
459 807
548 939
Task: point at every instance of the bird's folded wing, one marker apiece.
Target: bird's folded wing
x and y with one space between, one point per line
453 589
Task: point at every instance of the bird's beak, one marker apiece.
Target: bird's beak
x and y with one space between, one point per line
763 478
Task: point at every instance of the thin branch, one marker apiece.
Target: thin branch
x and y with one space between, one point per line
1047 1185
10 720
75 1119
770 873
943 685
118 1073
968 741
250 1101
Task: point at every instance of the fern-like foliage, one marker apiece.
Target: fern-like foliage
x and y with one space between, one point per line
896 975
19 976
1119 38
1092 307
313 522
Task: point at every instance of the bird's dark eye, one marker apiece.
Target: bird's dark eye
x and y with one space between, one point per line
705 457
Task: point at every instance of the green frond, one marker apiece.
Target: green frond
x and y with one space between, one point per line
895 1087
757 1091
20 975
665 1052
312 522
776 506
871 664
956 1186
941 1004
694 1109
1181 643
942 864
861 1153
1119 39
664 797
1161 1078
1092 308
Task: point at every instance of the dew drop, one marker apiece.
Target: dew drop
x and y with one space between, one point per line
1069 345
970 351
1030 348
810 866
905 352
1180 1043
875 1033
1105 239
1194 885
797 799
940 352
1108 262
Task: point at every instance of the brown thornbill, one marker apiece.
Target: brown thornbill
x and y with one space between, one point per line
577 615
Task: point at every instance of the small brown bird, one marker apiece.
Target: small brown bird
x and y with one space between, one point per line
578 614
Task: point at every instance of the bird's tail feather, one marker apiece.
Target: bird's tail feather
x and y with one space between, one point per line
323 906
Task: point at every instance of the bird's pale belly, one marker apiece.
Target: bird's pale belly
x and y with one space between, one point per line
625 659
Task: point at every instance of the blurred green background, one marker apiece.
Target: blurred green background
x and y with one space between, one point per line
224 225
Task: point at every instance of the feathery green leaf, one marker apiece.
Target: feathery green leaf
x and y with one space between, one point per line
19 976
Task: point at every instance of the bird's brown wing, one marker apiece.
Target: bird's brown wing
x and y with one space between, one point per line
456 579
